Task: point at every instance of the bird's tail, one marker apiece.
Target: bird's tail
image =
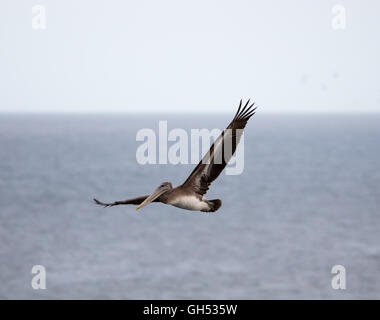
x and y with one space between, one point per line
214 204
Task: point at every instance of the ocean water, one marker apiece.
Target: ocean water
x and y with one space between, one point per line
308 199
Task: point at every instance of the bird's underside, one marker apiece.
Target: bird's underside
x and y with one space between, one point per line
190 195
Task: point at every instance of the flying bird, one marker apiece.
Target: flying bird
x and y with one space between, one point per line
190 195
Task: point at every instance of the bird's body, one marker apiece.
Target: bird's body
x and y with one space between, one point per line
186 201
183 198
190 195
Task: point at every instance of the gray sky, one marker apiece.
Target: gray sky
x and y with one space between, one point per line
173 55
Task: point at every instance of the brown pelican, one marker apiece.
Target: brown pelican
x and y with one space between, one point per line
190 195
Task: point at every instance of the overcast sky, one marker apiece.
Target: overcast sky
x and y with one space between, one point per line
173 55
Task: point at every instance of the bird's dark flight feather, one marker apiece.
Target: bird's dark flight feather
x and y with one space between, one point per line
135 201
209 169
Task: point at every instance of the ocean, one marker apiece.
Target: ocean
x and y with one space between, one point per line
307 200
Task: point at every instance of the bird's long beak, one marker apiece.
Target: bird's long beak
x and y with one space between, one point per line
152 197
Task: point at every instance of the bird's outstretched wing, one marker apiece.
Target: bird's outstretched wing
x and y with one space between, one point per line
135 201
215 160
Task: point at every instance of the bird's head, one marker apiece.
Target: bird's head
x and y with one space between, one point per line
162 188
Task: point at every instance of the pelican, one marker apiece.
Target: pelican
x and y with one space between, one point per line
190 195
